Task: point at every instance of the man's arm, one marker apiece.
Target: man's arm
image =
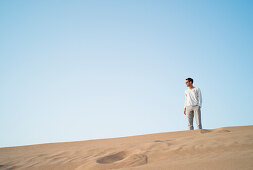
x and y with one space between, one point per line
185 103
200 98
185 99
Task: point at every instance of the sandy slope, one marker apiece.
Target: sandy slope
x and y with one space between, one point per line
226 148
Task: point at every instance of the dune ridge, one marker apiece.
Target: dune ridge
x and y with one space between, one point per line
204 149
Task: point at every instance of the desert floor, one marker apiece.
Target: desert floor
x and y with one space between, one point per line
225 148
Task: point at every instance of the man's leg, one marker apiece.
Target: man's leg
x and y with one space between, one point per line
189 113
197 113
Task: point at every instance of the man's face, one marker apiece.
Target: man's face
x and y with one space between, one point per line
188 83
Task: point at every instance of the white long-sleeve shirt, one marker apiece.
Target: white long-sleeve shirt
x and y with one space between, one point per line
193 97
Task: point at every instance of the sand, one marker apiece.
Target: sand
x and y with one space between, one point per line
225 148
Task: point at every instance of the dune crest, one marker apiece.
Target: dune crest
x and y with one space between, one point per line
222 148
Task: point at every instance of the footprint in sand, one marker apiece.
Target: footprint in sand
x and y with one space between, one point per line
162 140
223 131
13 167
2 166
205 131
158 141
129 160
112 158
156 145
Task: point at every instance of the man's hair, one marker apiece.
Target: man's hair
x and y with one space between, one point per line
190 79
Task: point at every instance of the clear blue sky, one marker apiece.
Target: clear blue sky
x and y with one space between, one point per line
80 70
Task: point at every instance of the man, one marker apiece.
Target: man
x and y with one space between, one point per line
192 104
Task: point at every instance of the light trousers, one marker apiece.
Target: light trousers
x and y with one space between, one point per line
192 111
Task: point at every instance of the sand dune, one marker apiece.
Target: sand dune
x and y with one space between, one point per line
226 148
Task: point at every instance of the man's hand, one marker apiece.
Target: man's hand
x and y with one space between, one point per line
185 111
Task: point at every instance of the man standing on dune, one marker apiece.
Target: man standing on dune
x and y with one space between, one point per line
192 104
